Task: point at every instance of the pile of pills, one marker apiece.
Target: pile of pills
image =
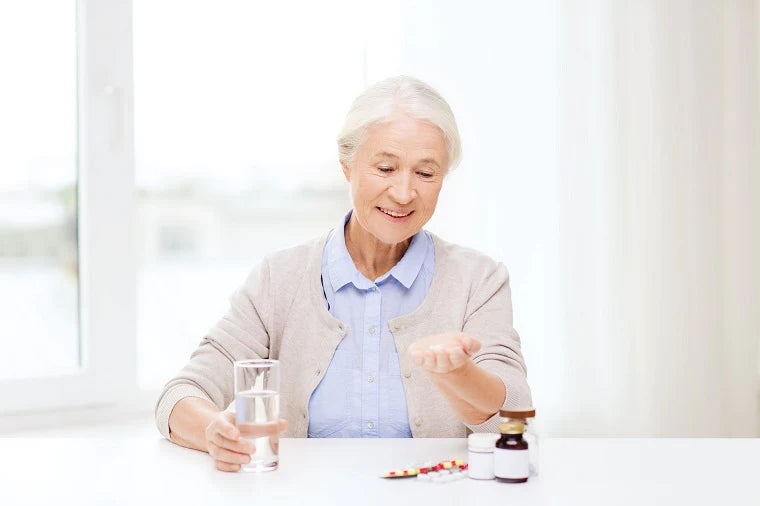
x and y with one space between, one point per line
445 472
442 472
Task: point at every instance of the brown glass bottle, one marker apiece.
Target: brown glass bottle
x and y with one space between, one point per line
511 440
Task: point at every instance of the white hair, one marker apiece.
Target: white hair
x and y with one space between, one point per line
381 101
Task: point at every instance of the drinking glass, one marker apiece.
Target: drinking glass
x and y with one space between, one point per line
257 410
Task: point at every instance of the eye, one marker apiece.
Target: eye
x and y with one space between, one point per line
384 168
425 174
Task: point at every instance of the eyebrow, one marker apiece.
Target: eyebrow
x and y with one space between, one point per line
429 160
386 154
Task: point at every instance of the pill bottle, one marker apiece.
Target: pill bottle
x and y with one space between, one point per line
527 416
481 446
511 463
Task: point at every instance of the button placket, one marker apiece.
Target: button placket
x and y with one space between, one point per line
370 392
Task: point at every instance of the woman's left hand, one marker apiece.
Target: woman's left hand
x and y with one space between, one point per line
443 353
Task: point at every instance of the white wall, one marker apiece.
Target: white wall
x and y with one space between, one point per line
611 162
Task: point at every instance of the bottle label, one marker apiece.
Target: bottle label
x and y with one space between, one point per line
511 463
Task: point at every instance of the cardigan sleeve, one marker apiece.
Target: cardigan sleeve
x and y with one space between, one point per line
241 334
489 319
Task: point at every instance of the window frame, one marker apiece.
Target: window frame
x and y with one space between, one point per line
105 215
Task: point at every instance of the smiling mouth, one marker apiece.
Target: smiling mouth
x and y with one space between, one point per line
394 214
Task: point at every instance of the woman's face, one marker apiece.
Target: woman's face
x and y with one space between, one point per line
396 177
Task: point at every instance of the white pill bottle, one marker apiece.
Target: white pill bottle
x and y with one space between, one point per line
480 447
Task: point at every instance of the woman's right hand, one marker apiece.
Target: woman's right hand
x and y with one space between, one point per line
224 444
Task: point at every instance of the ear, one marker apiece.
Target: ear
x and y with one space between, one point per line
346 171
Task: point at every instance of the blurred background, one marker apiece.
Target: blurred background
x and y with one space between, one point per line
611 161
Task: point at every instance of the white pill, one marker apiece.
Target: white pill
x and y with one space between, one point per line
435 347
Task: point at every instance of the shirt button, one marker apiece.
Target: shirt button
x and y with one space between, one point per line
417 422
373 289
407 374
370 425
318 371
372 330
370 379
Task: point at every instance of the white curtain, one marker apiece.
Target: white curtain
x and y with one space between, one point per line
612 162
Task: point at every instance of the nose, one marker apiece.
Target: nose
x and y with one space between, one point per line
402 188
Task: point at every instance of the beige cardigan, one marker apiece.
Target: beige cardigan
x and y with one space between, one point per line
280 313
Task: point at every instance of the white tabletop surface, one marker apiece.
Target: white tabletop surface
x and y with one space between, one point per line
149 470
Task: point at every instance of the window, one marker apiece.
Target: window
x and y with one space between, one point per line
235 121
66 269
38 207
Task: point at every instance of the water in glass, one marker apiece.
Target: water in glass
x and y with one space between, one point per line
257 414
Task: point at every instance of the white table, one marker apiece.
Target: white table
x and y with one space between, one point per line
145 471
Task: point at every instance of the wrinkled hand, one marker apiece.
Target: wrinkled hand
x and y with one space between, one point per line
443 353
225 444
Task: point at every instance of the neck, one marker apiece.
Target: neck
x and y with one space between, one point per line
371 257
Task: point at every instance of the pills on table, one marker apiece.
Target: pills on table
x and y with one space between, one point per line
443 472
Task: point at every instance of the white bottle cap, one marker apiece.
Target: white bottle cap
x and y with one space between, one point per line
482 441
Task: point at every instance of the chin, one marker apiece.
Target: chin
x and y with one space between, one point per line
393 236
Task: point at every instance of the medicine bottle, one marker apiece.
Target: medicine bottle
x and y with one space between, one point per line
480 455
511 463
527 417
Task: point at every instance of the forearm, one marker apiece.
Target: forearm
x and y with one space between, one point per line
474 394
188 422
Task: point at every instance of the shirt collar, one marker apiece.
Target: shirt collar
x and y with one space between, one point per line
343 271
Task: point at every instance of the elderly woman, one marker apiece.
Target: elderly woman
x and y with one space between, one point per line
383 329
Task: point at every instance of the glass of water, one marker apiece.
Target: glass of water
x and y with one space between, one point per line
257 410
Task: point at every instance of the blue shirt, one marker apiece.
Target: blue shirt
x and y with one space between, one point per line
361 393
